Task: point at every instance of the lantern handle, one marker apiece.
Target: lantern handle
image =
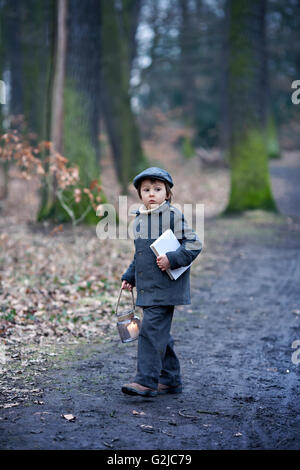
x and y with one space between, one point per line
133 304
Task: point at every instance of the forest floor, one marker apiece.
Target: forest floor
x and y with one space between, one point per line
61 376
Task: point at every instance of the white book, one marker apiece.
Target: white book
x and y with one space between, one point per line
168 242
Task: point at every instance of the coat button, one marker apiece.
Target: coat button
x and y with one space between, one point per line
140 273
142 291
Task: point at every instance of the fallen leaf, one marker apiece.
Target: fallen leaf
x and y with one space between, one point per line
58 228
69 417
138 413
9 405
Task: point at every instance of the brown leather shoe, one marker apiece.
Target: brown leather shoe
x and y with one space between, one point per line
138 389
163 389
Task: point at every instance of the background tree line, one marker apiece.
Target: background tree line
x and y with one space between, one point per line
75 69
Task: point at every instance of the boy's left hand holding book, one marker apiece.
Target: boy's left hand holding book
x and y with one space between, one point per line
163 262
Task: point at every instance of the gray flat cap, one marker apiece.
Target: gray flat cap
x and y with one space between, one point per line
153 172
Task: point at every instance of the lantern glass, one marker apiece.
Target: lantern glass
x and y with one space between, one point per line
128 323
129 326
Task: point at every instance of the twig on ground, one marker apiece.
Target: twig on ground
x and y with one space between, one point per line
180 412
168 433
208 412
169 421
107 445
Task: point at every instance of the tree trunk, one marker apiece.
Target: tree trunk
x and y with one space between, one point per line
250 182
273 147
119 119
188 36
14 57
3 165
32 64
76 101
135 8
59 79
224 129
11 59
48 191
83 86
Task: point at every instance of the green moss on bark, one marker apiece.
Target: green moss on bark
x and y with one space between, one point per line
78 149
187 147
121 123
239 63
250 182
273 148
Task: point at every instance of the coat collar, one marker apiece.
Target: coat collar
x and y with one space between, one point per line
161 208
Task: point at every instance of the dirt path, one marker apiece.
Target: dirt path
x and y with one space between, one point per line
241 387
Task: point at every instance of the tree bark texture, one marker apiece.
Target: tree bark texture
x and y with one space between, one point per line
246 87
119 119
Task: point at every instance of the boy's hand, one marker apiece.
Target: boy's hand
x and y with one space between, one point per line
163 262
126 285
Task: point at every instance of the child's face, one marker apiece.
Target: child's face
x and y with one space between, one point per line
153 192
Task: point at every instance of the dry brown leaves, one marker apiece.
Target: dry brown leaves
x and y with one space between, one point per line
54 289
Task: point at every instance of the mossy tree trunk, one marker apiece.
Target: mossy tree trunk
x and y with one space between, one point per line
272 140
26 39
48 193
273 147
76 102
246 87
188 59
11 61
35 59
3 190
3 165
84 81
119 119
13 34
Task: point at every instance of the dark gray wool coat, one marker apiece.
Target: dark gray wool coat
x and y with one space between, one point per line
154 286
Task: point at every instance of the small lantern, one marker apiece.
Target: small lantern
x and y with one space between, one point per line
128 323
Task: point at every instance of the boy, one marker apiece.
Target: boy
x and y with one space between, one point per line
158 368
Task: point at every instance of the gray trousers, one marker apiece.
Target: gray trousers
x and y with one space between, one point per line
157 361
